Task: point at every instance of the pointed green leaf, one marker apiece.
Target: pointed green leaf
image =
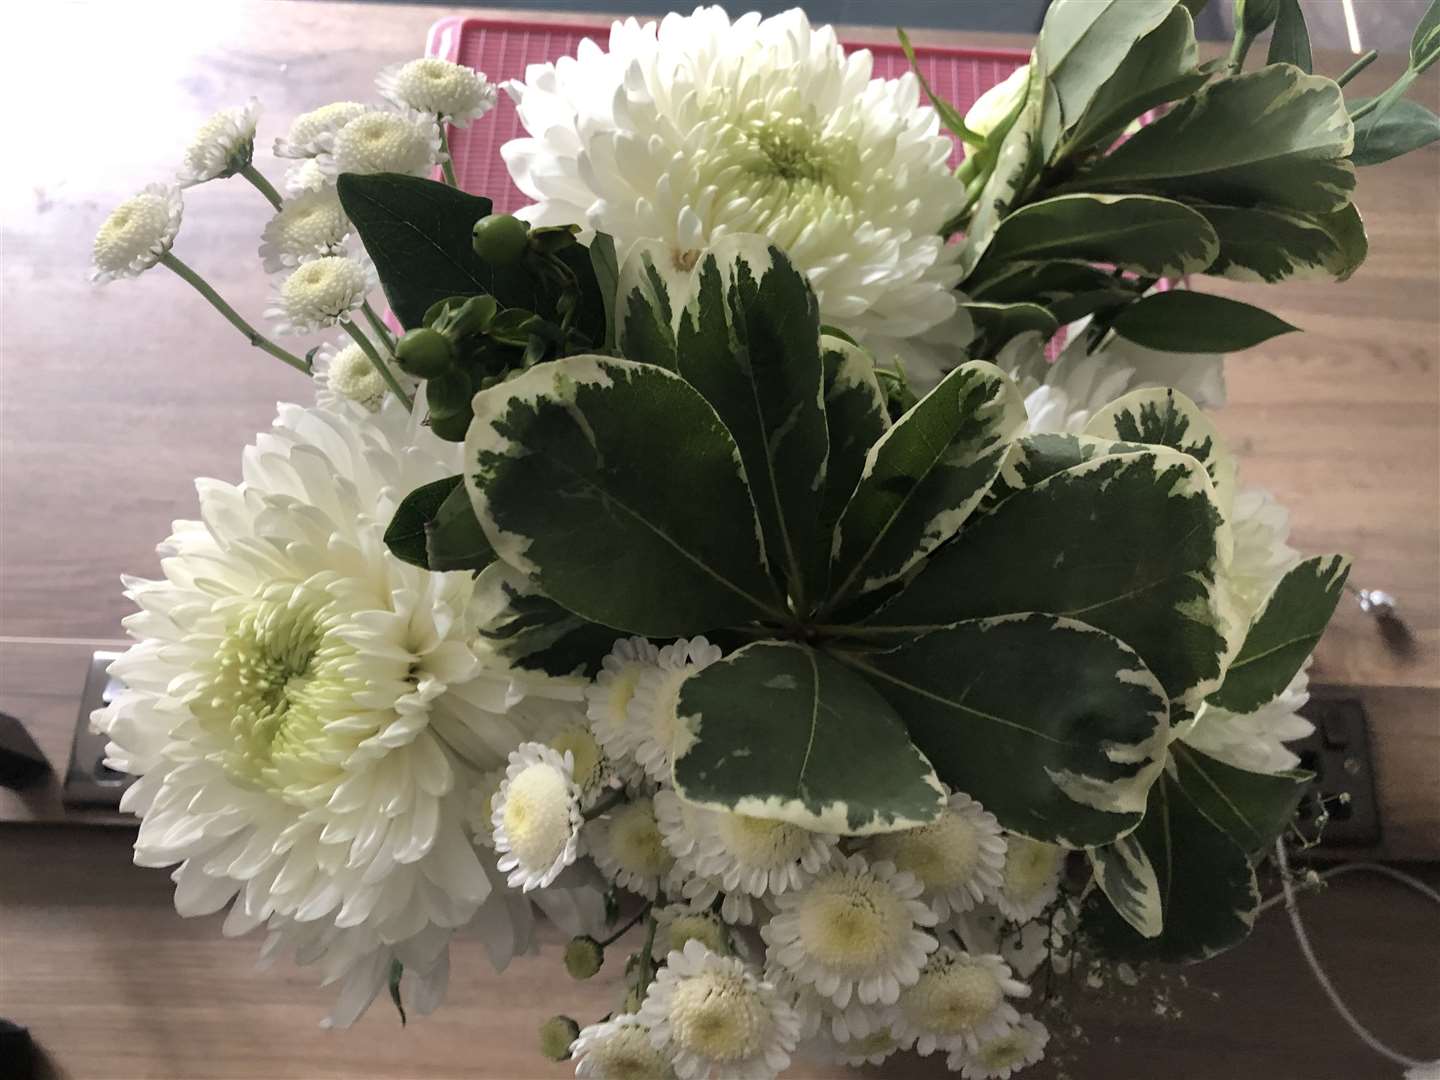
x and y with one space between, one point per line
607 278
749 340
1290 43
531 631
1183 320
1033 458
996 324
856 418
1057 728
1266 244
1068 291
1385 134
782 732
1252 808
453 537
405 535
1083 42
951 118
1426 40
1274 136
1126 542
650 292
1283 634
924 476
584 474
1124 874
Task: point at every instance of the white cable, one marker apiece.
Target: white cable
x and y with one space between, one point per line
1309 953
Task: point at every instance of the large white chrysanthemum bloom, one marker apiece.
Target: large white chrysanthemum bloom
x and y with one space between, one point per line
716 1017
1004 1055
307 226
1031 881
453 92
959 858
619 1049
960 999
383 141
701 127
650 716
137 233
536 816
628 849
306 713
320 293
223 146
304 139
858 930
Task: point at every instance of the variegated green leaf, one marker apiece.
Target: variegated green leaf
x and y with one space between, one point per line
1151 236
584 474
1268 244
1068 291
1057 728
748 339
1283 634
1125 542
1083 42
1252 808
531 631
783 732
1124 874
650 292
1033 458
1274 136
856 419
924 476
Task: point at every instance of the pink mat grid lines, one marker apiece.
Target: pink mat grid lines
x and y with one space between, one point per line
502 49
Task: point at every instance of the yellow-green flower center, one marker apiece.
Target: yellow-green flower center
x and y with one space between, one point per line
1030 865
584 751
635 841
715 1015
536 815
703 927
951 997
628 1055
1007 1051
757 841
943 854
852 922
793 150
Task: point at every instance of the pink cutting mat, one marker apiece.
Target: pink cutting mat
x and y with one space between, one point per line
502 48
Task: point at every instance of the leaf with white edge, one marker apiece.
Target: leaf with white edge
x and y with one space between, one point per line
1403 126
1150 236
1283 634
856 418
1126 542
783 732
1057 728
405 535
453 538
1274 136
531 631
1290 43
996 324
1068 291
1083 42
1183 320
1253 808
616 487
748 339
648 296
1033 458
925 476
1124 874
1263 243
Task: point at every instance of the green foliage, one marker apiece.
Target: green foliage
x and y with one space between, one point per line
1290 43
405 535
1382 135
1186 321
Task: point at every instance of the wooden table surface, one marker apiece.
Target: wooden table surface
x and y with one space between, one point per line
113 399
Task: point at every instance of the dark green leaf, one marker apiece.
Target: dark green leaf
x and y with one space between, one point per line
1069 291
1284 634
453 538
1057 728
782 732
1290 44
397 971
1385 134
1083 42
405 535
1263 243
1033 458
856 418
996 324
607 279
649 296
1252 808
531 631
616 487
1182 320
1255 16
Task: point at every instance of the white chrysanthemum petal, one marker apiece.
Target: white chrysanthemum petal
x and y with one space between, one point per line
959 858
537 816
713 1016
307 226
383 141
1032 877
700 127
453 92
223 146
651 712
619 1049
306 175
608 701
628 849
677 924
960 999
320 293
572 734
307 130
137 233
344 374
1003 1056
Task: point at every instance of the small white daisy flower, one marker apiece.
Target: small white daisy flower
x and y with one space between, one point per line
453 92
137 233
1032 877
856 930
608 698
320 293
871 1049
344 373
305 176
537 817
1003 1056
619 1049
572 735
627 847
306 131
383 141
959 857
821 1018
959 1000
481 807
716 1017
222 147
651 713
306 227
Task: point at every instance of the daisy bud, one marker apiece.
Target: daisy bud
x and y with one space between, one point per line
425 353
223 146
583 957
556 1035
500 239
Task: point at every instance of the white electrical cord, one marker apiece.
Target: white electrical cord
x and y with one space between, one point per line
1416 1069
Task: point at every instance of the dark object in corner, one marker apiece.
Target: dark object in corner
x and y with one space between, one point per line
21 761
1338 753
17 1053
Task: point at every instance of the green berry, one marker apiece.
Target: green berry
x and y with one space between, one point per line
583 957
451 427
449 394
556 1035
500 239
425 353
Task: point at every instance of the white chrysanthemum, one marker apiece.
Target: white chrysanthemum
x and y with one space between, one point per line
453 92
306 176
1003 1056
223 146
572 735
320 293
821 1018
651 712
959 857
960 999
305 227
683 830
537 816
871 1049
995 104
701 127
713 1016
677 924
383 141
137 233
627 847
609 698
856 930
307 131
307 714
1031 880
619 1049
344 374
480 815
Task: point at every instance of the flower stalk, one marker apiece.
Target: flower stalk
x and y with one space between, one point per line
368 348
263 186
257 339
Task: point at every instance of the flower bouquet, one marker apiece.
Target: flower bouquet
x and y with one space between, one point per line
800 566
